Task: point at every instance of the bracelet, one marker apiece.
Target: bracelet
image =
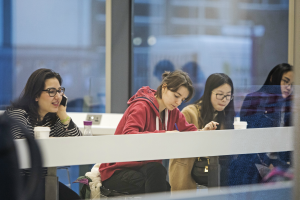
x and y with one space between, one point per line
65 120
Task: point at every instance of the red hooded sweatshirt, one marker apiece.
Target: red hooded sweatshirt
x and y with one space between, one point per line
142 116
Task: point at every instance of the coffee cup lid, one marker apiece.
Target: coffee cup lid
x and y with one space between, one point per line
41 128
240 123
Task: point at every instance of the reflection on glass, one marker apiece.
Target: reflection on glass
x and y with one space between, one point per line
65 36
270 106
69 39
240 38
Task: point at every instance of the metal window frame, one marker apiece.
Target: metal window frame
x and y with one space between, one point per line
294 58
6 49
118 58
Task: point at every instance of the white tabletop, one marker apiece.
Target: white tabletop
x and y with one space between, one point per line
119 148
107 126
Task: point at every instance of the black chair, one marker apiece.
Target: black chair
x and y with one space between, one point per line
12 186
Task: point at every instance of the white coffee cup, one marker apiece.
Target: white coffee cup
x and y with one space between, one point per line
41 132
239 124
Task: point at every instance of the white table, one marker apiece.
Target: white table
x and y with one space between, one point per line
119 148
107 126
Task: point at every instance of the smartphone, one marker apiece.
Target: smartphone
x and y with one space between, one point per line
64 101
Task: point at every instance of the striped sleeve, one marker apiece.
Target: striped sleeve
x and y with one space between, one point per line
61 130
21 117
57 129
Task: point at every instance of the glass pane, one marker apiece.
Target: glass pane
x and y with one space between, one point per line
65 36
241 38
202 37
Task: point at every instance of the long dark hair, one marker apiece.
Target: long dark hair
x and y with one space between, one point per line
276 73
174 80
272 83
33 89
224 118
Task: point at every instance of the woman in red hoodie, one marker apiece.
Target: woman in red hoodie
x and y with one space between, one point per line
150 111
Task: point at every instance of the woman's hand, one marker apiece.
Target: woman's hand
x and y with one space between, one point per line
210 126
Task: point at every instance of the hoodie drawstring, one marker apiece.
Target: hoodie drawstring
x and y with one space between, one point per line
166 120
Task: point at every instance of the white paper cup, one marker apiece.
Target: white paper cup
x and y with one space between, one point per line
239 124
41 132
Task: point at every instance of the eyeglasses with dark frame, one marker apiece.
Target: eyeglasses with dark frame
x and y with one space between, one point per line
221 96
52 91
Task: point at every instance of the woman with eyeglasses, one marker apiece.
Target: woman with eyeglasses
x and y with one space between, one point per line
270 106
216 109
39 105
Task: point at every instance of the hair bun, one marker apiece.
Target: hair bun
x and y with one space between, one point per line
165 74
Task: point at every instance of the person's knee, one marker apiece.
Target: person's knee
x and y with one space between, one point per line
134 178
129 181
156 168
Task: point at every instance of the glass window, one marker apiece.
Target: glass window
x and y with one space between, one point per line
66 36
237 37
244 39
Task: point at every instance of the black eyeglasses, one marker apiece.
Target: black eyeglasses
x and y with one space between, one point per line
52 91
221 96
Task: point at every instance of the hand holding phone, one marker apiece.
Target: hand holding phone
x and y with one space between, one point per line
64 101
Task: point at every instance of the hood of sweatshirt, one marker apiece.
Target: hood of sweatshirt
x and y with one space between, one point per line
148 95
